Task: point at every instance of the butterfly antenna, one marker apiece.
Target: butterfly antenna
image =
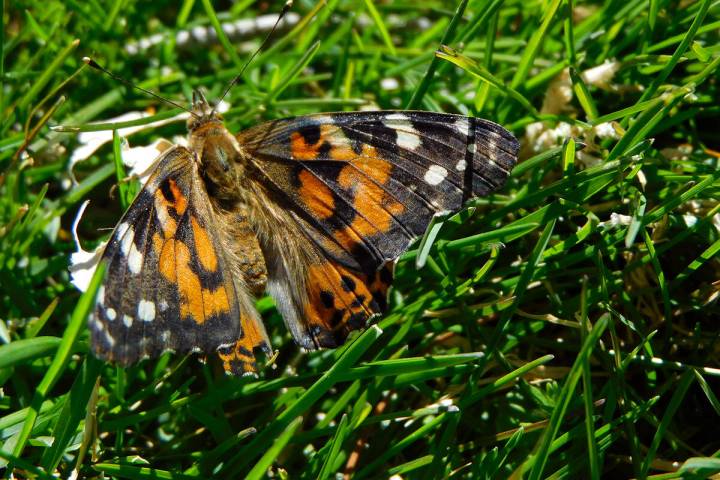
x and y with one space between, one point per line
285 9
92 63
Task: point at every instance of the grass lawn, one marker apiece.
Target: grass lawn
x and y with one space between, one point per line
565 327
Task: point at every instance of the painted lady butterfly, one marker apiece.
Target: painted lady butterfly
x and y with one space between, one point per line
311 209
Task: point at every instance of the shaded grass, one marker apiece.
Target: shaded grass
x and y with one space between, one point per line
564 327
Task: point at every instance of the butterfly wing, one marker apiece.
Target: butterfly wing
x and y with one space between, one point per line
168 285
361 186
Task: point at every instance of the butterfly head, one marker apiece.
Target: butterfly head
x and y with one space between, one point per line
202 113
215 148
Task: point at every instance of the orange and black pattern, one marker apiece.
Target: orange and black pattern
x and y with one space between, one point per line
336 198
363 186
167 283
369 182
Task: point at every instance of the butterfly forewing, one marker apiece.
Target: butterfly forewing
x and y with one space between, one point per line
168 284
360 187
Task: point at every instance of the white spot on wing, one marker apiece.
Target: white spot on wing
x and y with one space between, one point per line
435 175
111 314
463 126
397 117
163 305
164 336
408 140
492 145
146 310
472 148
126 234
407 137
324 119
109 339
134 259
101 295
461 165
128 320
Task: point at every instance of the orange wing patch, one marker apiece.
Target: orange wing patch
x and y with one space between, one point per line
303 148
195 302
239 358
175 259
365 177
204 247
316 195
340 300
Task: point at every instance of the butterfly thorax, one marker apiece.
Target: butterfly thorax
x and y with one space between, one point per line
220 166
217 152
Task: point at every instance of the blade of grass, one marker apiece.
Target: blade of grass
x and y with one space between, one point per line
519 291
531 51
61 358
377 19
47 74
540 458
707 390
421 433
504 380
260 469
583 95
73 412
293 72
24 350
350 355
679 391
222 38
707 255
426 243
448 36
659 78
592 448
139 473
475 69
336 442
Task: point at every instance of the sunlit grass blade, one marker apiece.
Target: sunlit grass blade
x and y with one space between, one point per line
259 470
480 72
530 52
427 79
20 351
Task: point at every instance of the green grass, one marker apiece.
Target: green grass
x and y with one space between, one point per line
538 337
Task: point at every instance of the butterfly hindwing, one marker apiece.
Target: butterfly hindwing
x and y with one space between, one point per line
360 187
341 300
168 285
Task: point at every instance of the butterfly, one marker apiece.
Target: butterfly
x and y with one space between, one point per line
310 209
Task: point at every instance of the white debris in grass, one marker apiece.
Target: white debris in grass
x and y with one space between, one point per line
606 130
616 220
206 34
389 83
601 75
82 262
541 136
